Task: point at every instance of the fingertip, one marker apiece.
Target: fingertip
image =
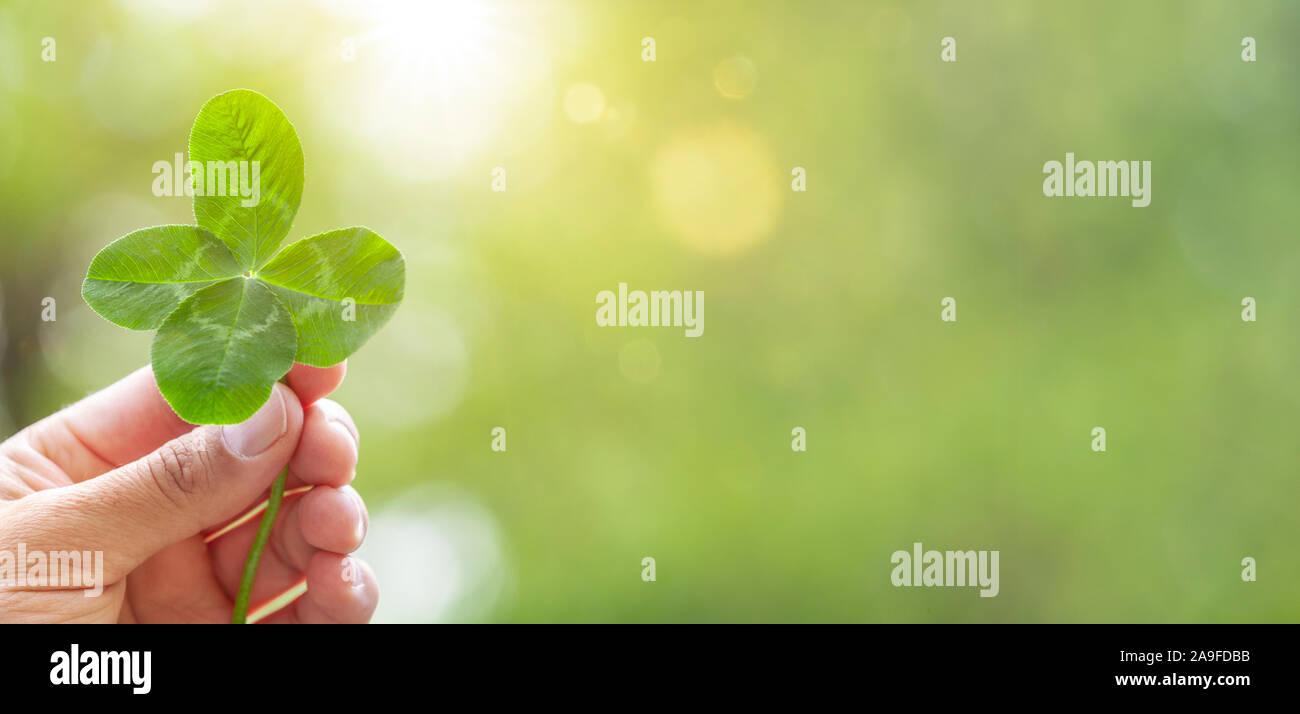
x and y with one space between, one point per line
312 383
338 418
328 449
333 519
340 588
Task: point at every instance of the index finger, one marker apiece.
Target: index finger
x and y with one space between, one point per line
312 383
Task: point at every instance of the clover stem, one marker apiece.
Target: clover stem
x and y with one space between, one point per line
259 543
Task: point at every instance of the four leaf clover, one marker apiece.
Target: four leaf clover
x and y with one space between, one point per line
232 313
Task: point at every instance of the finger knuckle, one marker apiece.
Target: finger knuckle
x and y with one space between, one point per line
180 469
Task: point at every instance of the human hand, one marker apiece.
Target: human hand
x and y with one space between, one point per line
120 473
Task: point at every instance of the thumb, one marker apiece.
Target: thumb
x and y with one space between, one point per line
190 483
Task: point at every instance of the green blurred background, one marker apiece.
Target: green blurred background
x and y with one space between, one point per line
822 308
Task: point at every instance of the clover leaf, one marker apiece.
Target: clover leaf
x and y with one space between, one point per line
232 313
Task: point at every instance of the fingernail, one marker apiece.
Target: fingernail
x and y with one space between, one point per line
361 515
264 428
351 573
337 418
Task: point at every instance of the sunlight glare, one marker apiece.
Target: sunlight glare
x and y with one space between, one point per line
441 78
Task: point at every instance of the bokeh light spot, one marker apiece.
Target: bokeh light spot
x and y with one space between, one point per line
584 103
735 77
440 555
718 189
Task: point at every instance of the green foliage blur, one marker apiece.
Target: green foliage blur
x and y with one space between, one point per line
822 307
